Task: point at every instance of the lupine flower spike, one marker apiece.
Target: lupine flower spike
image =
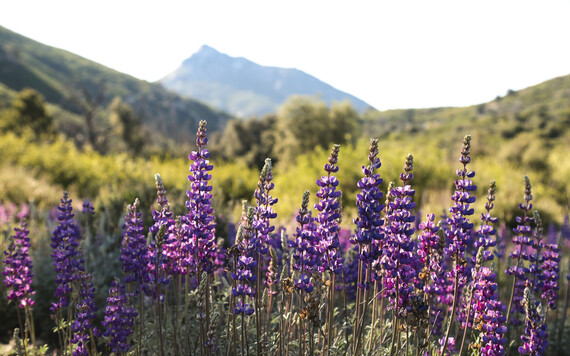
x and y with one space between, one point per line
523 239
199 223
119 319
18 277
488 313
134 252
71 277
369 232
327 219
17 272
458 231
535 337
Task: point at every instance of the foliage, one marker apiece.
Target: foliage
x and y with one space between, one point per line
61 76
28 112
279 320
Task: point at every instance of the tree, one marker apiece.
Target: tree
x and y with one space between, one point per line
89 102
252 140
28 112
127 125
304 123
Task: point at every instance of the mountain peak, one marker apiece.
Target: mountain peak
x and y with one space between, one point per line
244 88
205 49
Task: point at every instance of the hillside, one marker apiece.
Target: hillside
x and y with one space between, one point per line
244 88
61 76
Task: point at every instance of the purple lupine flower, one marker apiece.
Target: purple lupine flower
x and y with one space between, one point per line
486 231
220 257
368 223
245 275
535 337
522 239
199 225
68 263
261 223
18 268
429 252
535 276
87 207
157 262
85 315
327 219
305 246
459 228
550 271
10 212
552 235
72 278
134 251
450 345
350 267
488 312
434 284
399 259
119 319
501 245
264 207
175 255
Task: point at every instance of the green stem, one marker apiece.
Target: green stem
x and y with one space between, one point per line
563 321
450 321
330 326
257 305
468 317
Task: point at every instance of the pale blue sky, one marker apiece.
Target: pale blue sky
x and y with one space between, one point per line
391 54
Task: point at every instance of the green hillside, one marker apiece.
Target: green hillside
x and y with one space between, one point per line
523 133
64 79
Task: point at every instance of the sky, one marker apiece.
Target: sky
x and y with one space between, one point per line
391 54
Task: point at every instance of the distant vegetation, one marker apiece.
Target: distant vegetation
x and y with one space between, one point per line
90 121
83 91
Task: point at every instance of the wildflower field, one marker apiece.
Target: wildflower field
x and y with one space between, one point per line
389 280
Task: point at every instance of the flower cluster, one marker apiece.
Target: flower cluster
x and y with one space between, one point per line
550 272
501 245
67 261
327 219
305 246
523 238
459 228
264 207
134 251
535 337
82 327
535 277
18 268
488 311
244 273
198 224
369 203
429 251
486 231
174 259
87 207
399 259
72 278
119 319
